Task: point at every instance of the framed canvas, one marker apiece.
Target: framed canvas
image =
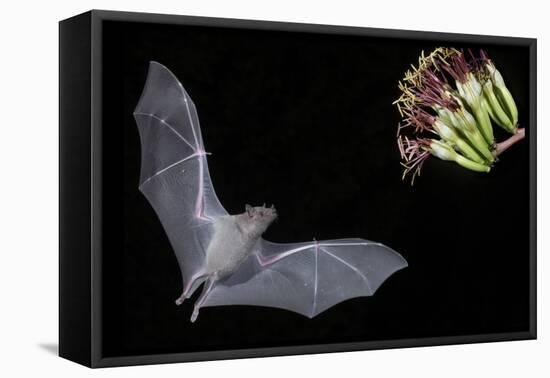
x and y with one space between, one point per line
332 125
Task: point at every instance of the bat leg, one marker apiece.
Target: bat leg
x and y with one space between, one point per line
205 291
190 288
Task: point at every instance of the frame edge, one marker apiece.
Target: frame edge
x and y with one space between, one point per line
74 190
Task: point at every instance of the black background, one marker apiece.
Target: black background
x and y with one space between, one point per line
306 121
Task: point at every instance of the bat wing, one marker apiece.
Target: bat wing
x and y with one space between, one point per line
307 278
174 171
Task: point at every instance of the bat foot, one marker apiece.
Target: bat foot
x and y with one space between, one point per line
194 315
180 300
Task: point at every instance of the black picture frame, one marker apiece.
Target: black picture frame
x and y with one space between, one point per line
80 254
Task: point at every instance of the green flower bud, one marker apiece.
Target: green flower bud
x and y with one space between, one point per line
503 94
463 121
495 109
445 152
442 150
448 134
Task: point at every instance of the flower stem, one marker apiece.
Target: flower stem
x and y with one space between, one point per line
503 146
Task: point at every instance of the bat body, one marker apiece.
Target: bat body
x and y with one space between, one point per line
226 253
235 237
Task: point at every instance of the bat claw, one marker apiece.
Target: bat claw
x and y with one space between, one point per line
181 299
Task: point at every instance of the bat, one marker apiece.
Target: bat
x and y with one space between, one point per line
226 253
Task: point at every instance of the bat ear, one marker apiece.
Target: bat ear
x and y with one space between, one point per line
248 209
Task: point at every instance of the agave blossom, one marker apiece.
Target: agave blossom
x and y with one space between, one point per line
447 104
414 152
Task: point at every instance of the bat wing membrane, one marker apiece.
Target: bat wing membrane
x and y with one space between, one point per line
174 173
308 278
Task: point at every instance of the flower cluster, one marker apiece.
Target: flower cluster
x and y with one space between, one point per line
448 103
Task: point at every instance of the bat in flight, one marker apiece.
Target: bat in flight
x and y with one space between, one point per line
226 253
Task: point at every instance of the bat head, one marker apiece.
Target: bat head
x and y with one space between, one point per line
258 218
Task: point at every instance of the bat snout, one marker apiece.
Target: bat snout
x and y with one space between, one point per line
272 211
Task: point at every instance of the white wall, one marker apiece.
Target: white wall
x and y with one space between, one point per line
28 190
